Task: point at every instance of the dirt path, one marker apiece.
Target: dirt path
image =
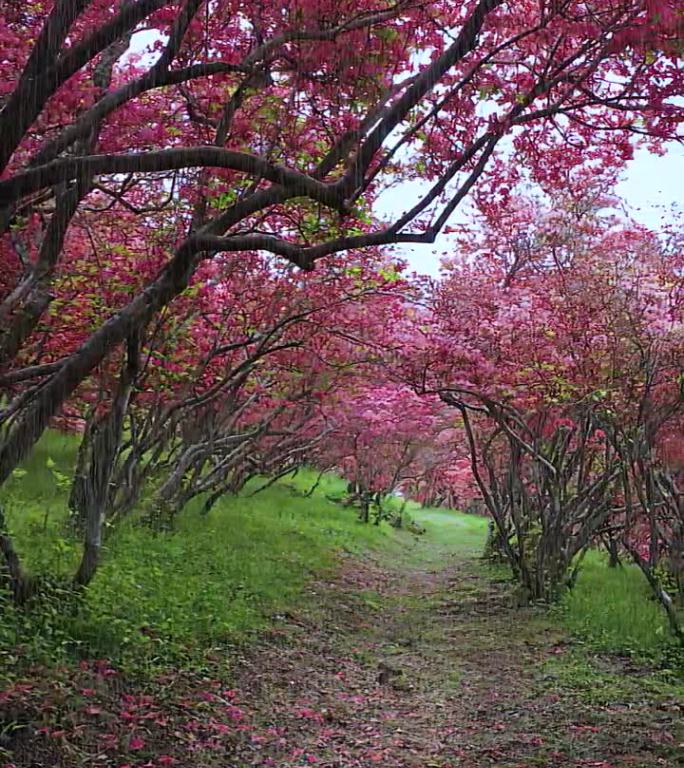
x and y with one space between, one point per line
428 664
412 659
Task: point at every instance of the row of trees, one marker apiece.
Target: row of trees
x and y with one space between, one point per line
173 171
563 352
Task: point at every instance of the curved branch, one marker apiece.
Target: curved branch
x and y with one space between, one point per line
69 168
38 83
423 84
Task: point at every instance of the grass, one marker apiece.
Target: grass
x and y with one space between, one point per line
451 533
35 503
165 599
180 597
172 611
215 578
612 610
448 535
599 683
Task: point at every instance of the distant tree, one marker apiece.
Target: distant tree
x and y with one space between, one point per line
563 355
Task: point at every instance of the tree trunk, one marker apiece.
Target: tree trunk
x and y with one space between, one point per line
172 280
78 493
105 442
25 306
613 552
663 597
20 584
364 517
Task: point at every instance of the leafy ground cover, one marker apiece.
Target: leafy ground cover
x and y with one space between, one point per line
279 632
612 610
169 598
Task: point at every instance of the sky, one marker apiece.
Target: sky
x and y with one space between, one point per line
650 185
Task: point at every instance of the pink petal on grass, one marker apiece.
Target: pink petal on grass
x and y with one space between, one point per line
136 743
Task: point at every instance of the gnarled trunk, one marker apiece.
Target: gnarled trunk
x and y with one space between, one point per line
104 441
21 585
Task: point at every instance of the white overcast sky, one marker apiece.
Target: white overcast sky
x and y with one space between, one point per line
651 185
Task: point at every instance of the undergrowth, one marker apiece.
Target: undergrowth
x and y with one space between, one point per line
167 599
612 610
185 597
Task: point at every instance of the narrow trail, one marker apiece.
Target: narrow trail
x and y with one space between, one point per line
414 657
424 662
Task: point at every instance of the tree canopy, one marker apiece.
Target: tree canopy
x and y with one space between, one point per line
195 276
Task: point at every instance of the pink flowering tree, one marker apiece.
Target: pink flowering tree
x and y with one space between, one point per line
562 352
381 439
276 128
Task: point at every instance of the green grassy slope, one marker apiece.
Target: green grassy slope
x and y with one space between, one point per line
612 609
171 598
161 598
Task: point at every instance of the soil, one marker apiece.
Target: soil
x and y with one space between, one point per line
436 667
418 662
